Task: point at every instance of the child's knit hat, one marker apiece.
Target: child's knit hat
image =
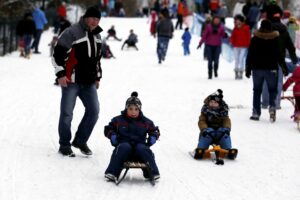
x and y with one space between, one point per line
217 96
134 100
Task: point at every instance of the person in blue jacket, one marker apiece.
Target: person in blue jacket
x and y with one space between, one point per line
132 134
40 21
186 37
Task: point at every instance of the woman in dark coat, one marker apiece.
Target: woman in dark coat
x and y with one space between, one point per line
262 61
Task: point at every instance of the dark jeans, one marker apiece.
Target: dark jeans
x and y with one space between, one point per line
213 54
88 96
223 140
162 47
125 150
179 21
265 92
271 78
36 42
186 48
27 41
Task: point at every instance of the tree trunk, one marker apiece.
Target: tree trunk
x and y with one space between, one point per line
130 7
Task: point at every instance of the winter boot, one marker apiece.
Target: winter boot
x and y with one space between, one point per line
111 177
209 74
240 74
216 72
232 154
83 148
66 151
272 113
216 66
236 74
254 117
201 153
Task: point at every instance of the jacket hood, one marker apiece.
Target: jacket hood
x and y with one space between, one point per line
266 35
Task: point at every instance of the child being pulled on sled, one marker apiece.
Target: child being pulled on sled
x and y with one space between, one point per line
132 134
214 124
295 78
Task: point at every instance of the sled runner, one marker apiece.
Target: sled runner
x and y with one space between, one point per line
220 154
136 165
296 116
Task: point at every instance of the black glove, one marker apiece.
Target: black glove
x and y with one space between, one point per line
199 46
248 73
285 72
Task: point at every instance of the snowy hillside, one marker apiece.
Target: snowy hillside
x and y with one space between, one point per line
267 167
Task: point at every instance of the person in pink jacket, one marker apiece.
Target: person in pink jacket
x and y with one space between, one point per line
295 78
212 37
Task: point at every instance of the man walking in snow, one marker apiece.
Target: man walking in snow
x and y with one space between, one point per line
77 66
164 30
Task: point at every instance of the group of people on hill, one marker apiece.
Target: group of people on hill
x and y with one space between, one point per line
78 51
260 52
131 133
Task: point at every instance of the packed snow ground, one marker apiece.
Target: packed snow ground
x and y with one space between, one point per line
267 167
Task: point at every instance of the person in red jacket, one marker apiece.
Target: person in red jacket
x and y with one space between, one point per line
62 10
214 6
240 40
295 78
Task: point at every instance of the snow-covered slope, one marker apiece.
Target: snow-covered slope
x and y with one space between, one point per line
267 167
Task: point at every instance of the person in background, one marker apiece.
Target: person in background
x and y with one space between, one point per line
25 31
212 38
263 61
131 40
285 45
240 40
164 31
112 33
40 21
292 28
186 37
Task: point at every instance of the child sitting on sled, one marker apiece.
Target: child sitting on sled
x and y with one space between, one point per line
214 124
295 78
128 134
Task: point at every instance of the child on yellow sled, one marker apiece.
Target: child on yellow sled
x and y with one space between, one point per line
214 124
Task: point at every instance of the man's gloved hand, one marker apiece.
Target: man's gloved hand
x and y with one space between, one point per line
248 73
199 46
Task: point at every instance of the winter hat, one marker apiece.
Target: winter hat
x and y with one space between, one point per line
92 12
165 13
292 20
217 96
286 14
266 26
273 1
239 17
133 100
